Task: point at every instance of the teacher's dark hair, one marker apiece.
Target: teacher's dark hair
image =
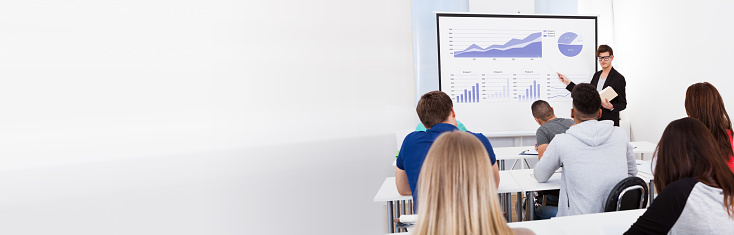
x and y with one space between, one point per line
687 149
703 102
434 108
604 48
586 101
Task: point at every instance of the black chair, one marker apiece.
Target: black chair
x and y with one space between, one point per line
630 193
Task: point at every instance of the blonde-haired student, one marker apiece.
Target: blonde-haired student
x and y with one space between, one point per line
456 190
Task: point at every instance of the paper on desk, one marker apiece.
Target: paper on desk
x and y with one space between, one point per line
608 93
408 218
529 152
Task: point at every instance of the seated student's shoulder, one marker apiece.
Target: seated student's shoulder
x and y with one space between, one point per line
684 186
415 135
480 136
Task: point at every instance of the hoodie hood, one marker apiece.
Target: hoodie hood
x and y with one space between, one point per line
592 132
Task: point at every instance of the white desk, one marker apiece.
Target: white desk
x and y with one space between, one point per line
643 147
539 227
529 184
592 224
388 193
512 153
600 223
508 185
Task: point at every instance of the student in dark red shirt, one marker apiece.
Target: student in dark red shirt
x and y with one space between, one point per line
703 102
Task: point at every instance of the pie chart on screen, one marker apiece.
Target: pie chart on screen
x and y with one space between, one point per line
570 44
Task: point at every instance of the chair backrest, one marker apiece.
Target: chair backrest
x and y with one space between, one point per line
630 193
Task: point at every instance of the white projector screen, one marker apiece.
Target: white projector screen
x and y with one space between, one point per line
495 66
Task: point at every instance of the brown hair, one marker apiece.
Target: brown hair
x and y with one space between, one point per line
542 110
687 149
604 48
456 189
703 102
434 108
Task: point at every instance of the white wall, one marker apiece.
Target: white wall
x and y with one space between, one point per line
662 47
200 116
502 7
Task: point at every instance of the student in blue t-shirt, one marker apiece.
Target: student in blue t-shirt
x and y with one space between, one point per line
436 112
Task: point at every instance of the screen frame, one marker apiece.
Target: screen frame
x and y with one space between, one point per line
438 33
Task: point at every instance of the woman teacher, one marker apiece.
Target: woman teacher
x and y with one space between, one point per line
607 77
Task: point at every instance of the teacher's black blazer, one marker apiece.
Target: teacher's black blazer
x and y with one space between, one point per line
617 82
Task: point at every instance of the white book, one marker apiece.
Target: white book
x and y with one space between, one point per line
608 93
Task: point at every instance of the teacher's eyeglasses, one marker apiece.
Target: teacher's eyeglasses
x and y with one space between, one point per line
604 58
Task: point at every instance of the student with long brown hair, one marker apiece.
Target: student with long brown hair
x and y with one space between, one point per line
703 102
696 188
456 190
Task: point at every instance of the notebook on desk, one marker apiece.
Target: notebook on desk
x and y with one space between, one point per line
529 152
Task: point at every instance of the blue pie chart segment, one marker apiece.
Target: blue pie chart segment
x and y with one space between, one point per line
570 44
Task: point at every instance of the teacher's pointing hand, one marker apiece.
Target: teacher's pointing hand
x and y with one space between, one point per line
564 79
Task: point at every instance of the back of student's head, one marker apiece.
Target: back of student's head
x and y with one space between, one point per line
542 110
687 149
703 102
586 101
434 108
456 191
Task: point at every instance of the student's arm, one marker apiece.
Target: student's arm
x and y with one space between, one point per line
401 180
542 139
547 165
631 161
541 150
660 217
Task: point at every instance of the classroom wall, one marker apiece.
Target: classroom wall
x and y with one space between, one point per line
662 47
200 116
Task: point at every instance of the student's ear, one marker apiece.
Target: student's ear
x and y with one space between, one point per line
453 114
572 116
599 114
537 120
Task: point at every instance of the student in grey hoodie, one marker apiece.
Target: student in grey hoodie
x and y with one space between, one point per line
595 156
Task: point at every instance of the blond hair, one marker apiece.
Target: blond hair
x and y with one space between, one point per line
456 189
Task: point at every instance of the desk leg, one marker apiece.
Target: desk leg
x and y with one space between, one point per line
513 165
390 221
508 205
410 205
530 205
399 211
518 207
651 188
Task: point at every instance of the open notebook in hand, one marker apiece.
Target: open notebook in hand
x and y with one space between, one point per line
608 93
